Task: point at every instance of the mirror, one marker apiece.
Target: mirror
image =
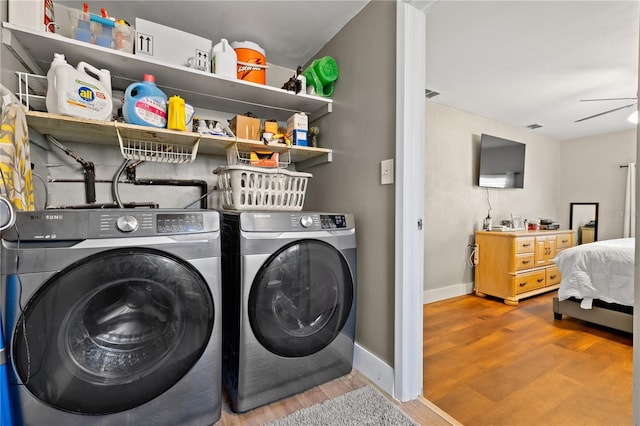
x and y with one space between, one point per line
583 221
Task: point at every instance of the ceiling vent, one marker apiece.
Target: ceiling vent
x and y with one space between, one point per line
534 126
430 93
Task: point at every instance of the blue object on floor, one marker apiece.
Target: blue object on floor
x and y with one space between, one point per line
6 416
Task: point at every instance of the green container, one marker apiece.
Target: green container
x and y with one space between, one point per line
321 75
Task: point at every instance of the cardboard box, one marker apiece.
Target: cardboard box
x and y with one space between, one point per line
173 46
34 14
245 127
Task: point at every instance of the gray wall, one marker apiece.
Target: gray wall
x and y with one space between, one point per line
455 205
361 131
556 174
591 173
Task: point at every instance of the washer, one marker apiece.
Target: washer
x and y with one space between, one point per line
289 303
113 316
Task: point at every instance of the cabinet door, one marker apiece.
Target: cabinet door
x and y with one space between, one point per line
545 250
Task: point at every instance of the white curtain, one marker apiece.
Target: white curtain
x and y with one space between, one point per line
630 203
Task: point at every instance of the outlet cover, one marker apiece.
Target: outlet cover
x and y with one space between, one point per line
386 172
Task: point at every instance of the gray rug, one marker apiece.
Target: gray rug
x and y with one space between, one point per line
364 406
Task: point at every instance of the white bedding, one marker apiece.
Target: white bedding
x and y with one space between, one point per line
601 270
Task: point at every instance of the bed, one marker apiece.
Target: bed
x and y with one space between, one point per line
597 283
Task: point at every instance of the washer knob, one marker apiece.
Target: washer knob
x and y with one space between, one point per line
127 223
306 221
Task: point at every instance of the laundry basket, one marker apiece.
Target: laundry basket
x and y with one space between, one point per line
255 188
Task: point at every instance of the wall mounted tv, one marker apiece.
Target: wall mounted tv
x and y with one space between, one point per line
501 162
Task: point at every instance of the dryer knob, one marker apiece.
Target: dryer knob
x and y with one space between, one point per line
127 223
306 221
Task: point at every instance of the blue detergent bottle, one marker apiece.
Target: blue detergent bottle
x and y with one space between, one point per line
145 104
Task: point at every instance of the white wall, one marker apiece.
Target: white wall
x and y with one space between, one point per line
591 173
454 204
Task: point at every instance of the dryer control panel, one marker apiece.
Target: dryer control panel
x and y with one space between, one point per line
333 221
287 221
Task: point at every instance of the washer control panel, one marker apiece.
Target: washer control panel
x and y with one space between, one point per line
111 223
178 223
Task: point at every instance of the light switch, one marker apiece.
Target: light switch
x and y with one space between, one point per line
386 172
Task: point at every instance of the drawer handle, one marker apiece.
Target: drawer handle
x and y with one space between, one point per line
523 284
526 244
565 241
540 280
553 277
524 262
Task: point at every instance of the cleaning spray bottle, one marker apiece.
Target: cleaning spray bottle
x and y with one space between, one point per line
75 92
145 104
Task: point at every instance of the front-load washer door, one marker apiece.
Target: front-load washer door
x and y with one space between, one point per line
113 331
301 298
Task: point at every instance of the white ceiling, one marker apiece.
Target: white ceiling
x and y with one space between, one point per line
517 62
531 62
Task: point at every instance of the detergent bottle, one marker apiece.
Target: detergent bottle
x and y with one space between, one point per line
145 104
224 60
83 92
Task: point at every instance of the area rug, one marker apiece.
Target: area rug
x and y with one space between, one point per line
364 406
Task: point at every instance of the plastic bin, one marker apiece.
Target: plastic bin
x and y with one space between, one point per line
255 188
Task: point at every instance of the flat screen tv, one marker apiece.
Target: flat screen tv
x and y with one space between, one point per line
501 162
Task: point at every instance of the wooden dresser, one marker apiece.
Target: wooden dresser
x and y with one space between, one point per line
518 264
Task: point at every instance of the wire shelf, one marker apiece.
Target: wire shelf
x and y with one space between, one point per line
160 152
32 91
258 158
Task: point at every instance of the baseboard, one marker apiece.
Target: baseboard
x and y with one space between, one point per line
373 368
435 295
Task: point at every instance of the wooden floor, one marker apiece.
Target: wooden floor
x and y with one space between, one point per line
486 363
419 410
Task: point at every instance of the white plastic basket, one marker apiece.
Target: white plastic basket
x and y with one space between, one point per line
257 188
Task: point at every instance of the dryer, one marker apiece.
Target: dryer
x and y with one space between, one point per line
113 316
289 303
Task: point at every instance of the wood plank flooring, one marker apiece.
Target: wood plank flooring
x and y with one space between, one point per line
419 410
486 363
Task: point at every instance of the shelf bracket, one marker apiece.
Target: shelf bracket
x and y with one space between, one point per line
20 52
325 110
311 162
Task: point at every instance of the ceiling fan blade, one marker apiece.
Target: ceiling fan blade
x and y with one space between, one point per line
608 99
606 112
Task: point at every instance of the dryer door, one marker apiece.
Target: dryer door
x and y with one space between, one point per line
113 331
301 298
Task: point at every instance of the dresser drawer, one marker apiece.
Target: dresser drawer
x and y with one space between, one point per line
524 245
563 241
524 261
553 276
528 281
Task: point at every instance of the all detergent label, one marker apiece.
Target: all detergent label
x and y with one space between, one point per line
89 97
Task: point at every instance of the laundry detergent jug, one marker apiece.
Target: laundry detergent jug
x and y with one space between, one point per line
145 104
84 91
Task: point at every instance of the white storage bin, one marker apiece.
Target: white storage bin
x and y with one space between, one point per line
256 188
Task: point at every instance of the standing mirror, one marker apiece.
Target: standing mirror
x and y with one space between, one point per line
583 221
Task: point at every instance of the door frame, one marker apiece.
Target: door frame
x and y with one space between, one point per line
409 201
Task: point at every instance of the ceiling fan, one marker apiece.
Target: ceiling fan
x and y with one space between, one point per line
608 111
